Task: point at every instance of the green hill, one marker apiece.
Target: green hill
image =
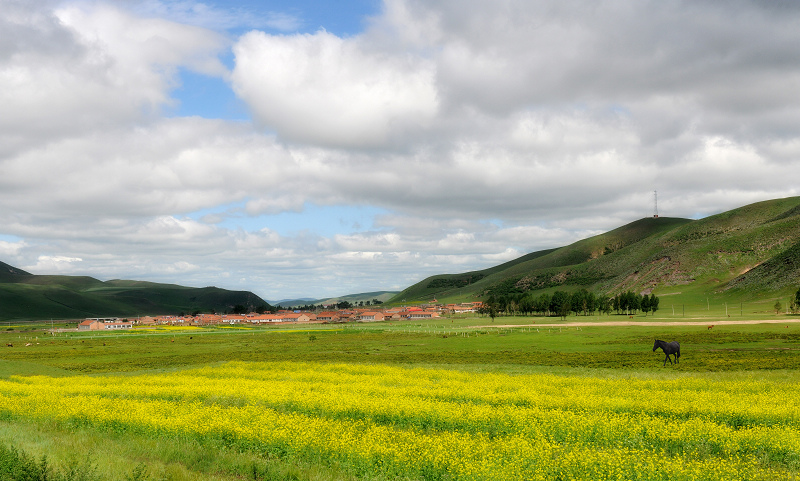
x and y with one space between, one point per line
741 253
24 296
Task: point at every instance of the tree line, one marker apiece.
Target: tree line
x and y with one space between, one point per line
562 303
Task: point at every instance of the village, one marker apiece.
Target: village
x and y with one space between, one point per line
282 316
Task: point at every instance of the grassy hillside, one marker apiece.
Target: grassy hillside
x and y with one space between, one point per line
746 252
24 296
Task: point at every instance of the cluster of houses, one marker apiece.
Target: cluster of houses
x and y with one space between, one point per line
324 317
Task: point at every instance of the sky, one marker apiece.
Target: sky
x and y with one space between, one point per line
315 149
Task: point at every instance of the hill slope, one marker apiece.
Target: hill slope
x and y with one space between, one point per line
26 296
740 252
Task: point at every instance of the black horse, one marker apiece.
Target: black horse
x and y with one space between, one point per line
669 348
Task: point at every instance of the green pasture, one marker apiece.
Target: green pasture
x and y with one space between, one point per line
525 342
517 344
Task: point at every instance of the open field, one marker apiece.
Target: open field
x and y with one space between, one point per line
452 398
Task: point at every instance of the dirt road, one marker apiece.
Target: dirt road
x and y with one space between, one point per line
708 322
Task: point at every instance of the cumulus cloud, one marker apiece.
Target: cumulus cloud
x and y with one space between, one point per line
326 90
480 131
55 263
76 68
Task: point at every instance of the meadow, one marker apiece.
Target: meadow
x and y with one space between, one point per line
446 399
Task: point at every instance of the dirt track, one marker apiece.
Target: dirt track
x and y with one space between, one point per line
709 322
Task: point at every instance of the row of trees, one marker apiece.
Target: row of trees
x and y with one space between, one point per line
562 303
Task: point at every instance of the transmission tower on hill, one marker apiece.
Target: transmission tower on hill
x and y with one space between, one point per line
655 204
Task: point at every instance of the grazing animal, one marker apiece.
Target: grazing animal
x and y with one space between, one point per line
669 348
8 344
711 327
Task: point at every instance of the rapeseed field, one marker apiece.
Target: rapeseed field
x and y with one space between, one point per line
380 421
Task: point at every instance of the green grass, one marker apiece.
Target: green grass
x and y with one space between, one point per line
445 341
475 344
131 456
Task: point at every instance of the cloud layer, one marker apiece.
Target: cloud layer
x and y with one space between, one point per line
481 131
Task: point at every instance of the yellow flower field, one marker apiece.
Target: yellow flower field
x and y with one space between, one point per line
443 424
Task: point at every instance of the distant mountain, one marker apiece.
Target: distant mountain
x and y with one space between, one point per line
26 296
741 253
381 296
294 302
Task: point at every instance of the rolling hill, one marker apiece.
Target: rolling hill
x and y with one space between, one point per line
743 253
26 296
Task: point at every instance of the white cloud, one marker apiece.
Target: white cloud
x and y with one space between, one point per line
480 131
80 68
10 250
54 264
326 90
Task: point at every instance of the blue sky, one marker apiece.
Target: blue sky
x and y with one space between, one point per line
315 149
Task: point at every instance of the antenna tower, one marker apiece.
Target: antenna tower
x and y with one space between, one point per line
655 204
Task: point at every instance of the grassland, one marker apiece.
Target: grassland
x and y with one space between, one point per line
125 405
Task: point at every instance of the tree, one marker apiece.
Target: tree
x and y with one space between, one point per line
591 303
778 306
543 304
615 303
653 303
796 302
635 302
264 308
560 304
489 307
577 302
624 304
604 304
526 304
645 304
